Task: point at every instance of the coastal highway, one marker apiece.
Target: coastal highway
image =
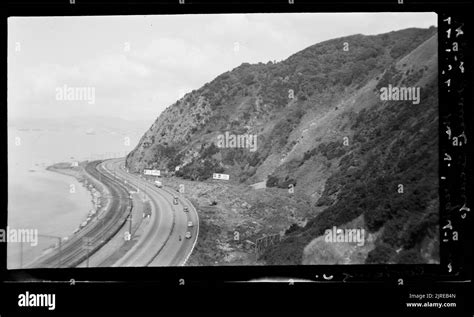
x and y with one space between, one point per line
163 242
97 233
160 245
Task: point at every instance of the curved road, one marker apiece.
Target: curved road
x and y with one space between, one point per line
160 244
96 234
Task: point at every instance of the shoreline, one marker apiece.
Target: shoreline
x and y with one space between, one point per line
96 191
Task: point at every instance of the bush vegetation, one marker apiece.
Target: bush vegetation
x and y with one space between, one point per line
401 154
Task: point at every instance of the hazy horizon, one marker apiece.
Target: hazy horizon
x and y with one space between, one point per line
139 65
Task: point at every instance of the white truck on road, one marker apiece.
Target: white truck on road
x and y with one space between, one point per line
158 184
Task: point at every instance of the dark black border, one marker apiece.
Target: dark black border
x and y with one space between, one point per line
353 288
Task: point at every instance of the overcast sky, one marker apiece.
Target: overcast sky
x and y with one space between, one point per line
139 65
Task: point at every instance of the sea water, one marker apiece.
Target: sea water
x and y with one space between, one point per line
43 200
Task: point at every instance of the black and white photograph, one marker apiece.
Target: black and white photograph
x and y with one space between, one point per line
202 140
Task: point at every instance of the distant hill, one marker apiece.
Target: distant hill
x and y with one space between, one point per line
81 123
322 128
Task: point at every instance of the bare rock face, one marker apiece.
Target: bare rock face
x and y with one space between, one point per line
326 250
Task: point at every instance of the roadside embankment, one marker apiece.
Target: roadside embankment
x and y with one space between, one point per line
232 217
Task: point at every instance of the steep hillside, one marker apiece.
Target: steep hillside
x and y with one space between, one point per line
321 126
257 99
387 174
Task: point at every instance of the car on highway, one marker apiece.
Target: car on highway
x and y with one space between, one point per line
188 235
175 200
190 223
186 208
